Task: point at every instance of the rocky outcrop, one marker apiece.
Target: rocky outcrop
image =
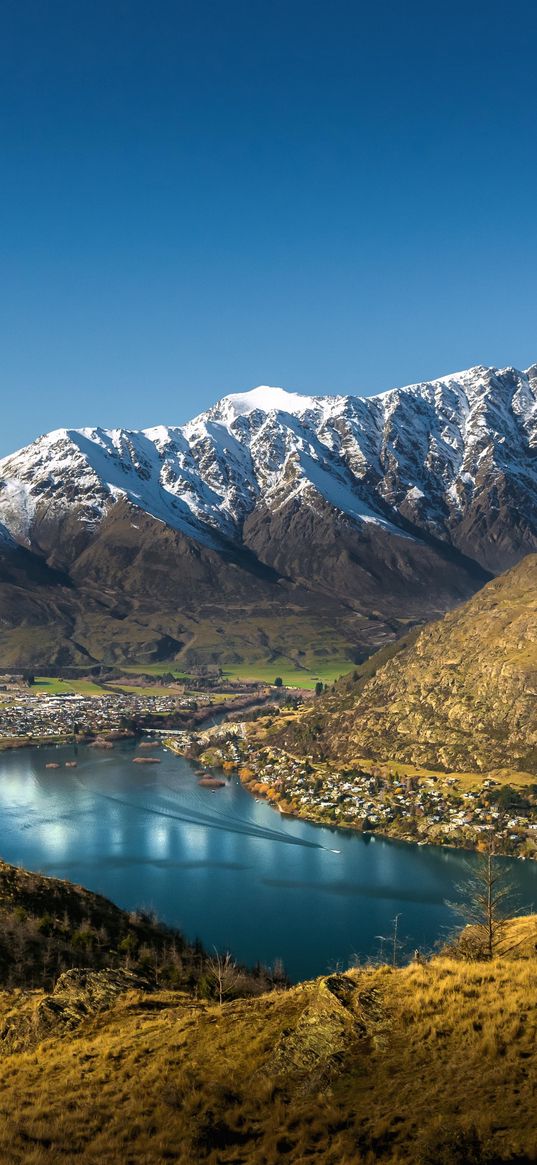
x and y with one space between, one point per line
78 995
81 993
335 1015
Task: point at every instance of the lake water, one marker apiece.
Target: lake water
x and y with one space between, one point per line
221 865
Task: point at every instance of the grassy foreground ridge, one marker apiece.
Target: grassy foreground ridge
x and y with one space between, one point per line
430 1064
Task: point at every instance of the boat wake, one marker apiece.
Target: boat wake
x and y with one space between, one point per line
225 823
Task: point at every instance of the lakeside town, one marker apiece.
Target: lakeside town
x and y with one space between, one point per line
429 808
30 717
55 719
424 807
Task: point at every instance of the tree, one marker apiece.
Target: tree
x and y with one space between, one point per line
223 973
279 975
486 904
319 688
278 682
392 941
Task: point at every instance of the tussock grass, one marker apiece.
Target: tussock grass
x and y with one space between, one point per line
427 1063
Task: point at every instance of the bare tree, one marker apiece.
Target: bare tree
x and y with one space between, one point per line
392 940
278 973
395 940
486 903
223 972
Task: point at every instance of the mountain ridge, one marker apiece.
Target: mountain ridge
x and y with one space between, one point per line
381 510
106 457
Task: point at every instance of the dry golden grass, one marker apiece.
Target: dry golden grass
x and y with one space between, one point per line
300 1076
457 696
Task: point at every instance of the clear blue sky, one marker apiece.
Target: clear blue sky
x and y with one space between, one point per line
196 197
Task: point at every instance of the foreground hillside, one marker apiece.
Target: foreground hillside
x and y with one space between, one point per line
460 695
49 926
432 1063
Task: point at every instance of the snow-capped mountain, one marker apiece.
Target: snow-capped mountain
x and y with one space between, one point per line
439 455
361 499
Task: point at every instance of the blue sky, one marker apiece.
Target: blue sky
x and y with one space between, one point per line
197 197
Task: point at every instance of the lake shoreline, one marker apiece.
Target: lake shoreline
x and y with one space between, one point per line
258 789
348 827
219 864
252 787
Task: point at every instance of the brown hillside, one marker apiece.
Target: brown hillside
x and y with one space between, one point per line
460 695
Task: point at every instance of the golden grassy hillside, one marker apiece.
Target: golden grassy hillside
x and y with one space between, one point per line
460 695
431 1064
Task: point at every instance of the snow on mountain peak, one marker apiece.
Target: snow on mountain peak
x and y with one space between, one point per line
424 454
267 399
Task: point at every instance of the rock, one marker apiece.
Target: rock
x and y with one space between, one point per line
77 995
333 1019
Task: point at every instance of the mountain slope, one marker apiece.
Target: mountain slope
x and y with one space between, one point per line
461 695
361 513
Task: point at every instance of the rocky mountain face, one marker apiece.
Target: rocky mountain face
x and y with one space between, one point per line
460 695
343 517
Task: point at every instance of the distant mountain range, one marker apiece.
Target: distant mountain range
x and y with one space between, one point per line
272 526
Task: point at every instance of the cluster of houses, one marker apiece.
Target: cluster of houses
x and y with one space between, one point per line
429 808
45 717
422 808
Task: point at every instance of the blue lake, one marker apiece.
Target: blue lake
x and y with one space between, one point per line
220 864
